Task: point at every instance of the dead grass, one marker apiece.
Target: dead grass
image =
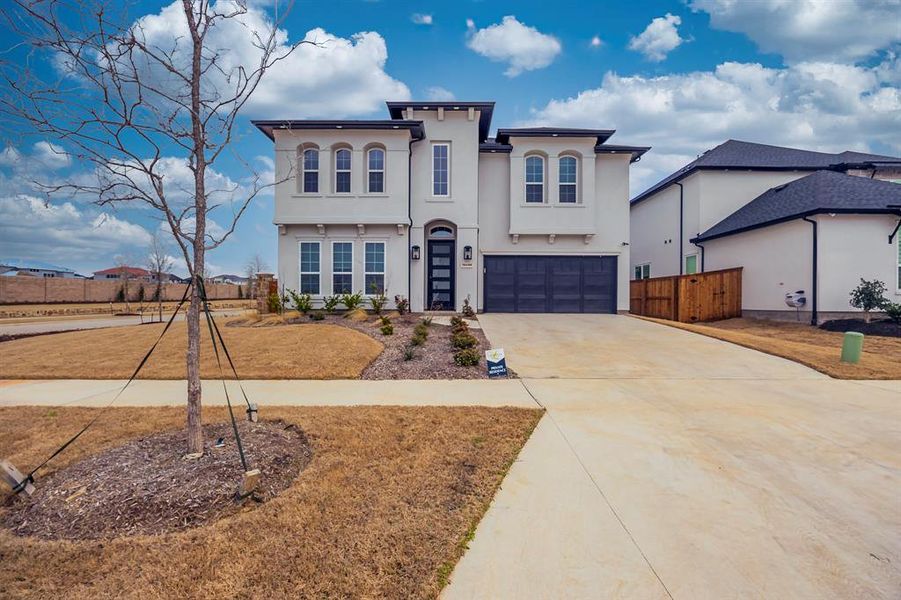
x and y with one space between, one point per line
382 511
815 348
287 352
17 311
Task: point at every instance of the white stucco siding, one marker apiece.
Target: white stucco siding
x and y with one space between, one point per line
292 206
724 192
395 256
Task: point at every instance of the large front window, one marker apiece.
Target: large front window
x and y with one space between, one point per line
440 169
309 268
534 179
374 277
310 171
376 175
342 171
568 179
342 267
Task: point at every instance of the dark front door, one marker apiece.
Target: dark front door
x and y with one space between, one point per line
441 275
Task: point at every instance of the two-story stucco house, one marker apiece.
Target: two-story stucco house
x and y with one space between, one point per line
426 206
795 220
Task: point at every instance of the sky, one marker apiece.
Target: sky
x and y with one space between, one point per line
680 76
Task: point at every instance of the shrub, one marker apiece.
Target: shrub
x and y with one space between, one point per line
240 292
427 321
869 295
275 302
120 295
387 329
317 316
457 321
463 341
402 305
418 339
378 302
468 357
893 312
141 294
302 302
385 320
409 353
352 301
330 303
468 311
421 330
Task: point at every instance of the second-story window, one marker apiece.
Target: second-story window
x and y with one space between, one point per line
376 176
310 171
534 179
568 179
440 169
342 171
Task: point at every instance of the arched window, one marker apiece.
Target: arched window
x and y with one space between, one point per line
441 231
310 171
569 175
534 179
342 171
375 177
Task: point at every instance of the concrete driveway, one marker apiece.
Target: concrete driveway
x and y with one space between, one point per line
670 465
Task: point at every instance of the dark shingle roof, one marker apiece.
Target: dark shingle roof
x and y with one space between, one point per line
820 192
268 126
736 154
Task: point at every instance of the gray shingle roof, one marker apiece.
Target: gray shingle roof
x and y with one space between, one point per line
820 192
736 154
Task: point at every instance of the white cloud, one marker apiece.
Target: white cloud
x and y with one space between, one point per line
439 94
522 47
596 42
804 30
818 106
50 155
338 77
659 38
421 19
65 233
470 24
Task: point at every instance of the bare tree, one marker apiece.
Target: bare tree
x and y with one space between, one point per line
124 104
124 275
254 267
159 263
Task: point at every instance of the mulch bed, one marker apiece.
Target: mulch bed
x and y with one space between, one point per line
883 327
146 487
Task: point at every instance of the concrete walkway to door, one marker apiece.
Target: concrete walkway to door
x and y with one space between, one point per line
671 465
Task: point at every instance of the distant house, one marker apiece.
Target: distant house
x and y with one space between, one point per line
233 279
132 273
795 220
34 268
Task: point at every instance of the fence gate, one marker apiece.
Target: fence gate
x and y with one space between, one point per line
709 296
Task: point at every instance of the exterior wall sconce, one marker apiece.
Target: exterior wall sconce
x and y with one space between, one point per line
414 253
467 253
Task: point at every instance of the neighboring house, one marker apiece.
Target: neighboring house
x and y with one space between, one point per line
425 205
233 279
35 268
744 205
130 273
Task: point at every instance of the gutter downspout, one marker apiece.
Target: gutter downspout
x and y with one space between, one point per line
702 254
813 315
410 219
681 228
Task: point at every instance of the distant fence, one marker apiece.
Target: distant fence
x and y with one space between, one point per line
51 290
709 296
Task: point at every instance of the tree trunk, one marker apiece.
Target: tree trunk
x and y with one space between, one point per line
866 316
195 433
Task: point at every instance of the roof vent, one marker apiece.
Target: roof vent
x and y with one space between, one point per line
779 188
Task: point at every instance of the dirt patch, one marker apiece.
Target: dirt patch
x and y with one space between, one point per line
288 352
810 346
146 486
883 327
384 507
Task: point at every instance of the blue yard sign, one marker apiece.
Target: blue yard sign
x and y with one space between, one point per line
497 364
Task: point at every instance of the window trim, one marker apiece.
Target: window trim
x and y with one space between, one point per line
349 170
447 169
383 272
640 268
370 170
300 270
333 272
527 183
560 184
302 187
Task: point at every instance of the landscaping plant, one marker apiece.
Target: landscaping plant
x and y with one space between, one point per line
316 316
468 357
378 301
464 340
302 302
330 303
468 311
893 312
275 303
427 321
409 353
402 305
352 301
869 296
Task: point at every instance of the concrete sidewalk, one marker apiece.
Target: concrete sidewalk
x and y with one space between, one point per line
340 392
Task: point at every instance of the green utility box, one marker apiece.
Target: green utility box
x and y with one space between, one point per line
852 346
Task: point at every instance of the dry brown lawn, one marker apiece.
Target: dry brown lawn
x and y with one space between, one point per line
383 510
286 352
18 311
810 346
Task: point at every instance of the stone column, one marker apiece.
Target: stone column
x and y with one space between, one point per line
264 284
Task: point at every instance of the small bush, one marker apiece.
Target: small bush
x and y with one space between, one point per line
275 303
409 353
869 295
141 294
463 341
385 320
427 321
457 321
893 312
468 357
387 329
418 339
468 311
120 295
352 301
421 330
401 304
302 302
240 292
330 303
316 316
378 302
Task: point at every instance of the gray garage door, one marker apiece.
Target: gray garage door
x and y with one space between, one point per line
561 284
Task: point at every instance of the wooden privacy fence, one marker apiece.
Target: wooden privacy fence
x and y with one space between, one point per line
709 296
